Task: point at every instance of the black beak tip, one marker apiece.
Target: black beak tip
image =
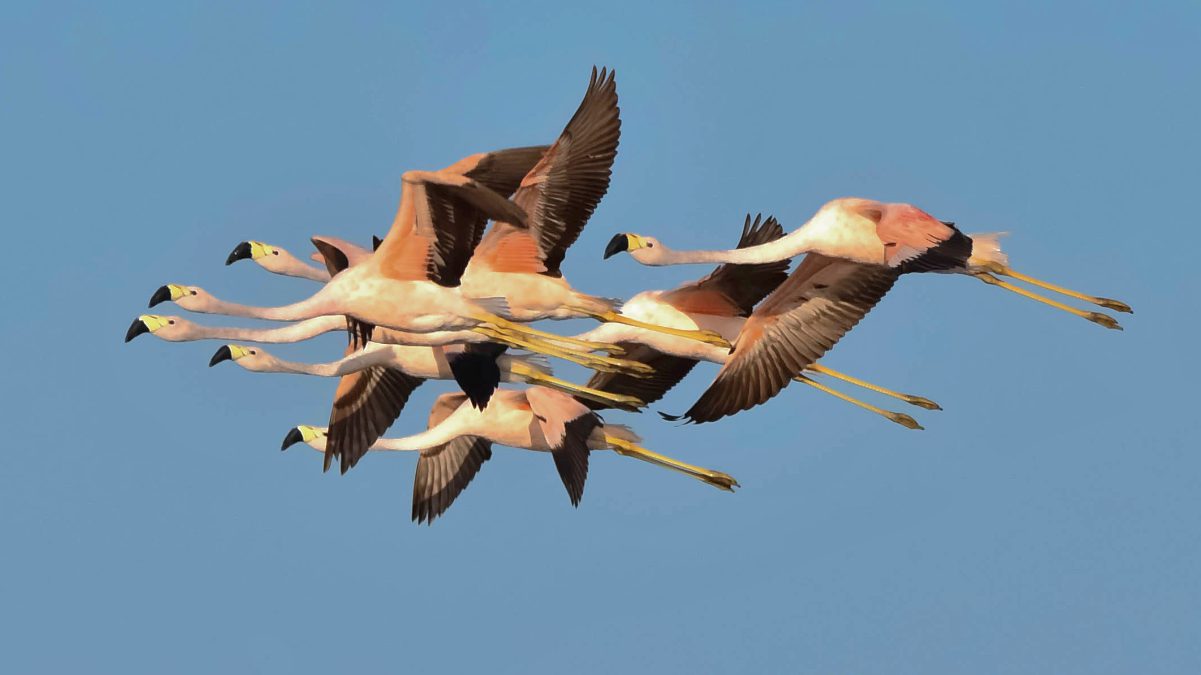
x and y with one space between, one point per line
222 354
135 329
163 294
294 436
240 252
618 244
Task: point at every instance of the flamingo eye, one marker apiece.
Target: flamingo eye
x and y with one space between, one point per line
253 351
193 292
172 322
650 244
275 253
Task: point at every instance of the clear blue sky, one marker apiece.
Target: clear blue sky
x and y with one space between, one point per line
1047 521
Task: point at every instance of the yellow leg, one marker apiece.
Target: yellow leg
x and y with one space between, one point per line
706 336
603 364
900 418
717 479
1096 317
1108 303
622 401
919 401
514 327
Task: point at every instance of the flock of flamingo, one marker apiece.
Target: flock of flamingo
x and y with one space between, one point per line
438 298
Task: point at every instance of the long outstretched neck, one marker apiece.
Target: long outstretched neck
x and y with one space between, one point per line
372 355
301 330
457 424
769 252
295 267
316 305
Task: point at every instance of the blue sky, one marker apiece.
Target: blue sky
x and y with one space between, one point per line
1046 521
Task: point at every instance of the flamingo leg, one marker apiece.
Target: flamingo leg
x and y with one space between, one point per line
513 327
533 376
603 364
900 418
717 479
706 336
919 401
1108 303
1096 317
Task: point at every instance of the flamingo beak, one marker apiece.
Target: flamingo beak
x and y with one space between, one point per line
223 354
169 292
294 436
229 353
618 244
136 328
301 434
241 252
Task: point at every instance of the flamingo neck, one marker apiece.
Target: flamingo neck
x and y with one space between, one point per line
291 266
309 308
451 428
301 330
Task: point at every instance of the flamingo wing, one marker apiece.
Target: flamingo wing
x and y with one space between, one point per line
669 371
444 471
442 215
794 327
366 403
566 424
563 190
734 290
915 241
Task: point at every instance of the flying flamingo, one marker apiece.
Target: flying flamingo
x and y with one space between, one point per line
723 301
426 363
898 237
459 437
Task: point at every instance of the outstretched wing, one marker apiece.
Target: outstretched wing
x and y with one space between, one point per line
669 370
442 215
366 403
822 300
566 424
734 290
560 194
444 471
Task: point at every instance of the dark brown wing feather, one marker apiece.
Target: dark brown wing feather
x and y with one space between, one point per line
501 171
365 405
736 288
571 457
457 217
669 370
443 472
822 300
562 191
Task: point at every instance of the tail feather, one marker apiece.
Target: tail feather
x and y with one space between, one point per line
622 433
536 362
497 305
986 250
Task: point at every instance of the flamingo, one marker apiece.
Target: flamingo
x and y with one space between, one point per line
898 237
723 301
426 363
459 437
